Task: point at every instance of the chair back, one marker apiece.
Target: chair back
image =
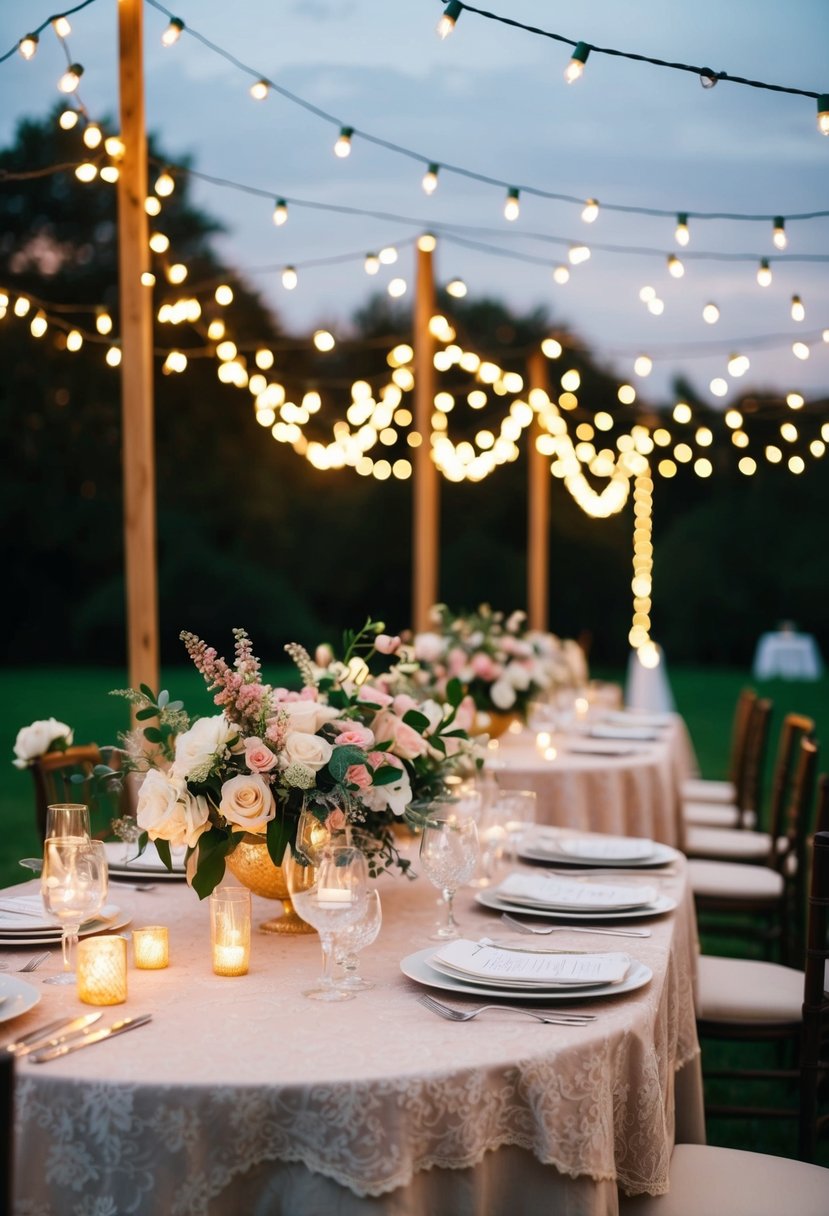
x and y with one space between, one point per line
822 812
739 734
52 773
795 727
815 1003
753 759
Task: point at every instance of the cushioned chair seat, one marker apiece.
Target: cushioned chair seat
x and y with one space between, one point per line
698 789
710 814
742 990
730 880
733 843
707 1181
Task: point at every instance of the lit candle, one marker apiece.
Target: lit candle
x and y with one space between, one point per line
102 970
550 753
230 960
230 930
150 947
542 739
582 707
333 897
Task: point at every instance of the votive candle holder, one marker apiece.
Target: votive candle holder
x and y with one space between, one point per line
230 930
102 970
151 947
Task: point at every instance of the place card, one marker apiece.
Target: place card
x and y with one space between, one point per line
527 967
549 891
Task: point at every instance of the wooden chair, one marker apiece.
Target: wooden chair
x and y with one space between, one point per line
759 901
703 789
6 1132
708 1181
52 775
741 844
742 811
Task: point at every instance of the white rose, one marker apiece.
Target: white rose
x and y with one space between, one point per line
502 694
517 676
196 748
247 801
37 739
432 711
307 716
168 811
428 647
312 751
396 795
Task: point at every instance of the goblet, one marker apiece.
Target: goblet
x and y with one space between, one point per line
448 853
336 900
350 941
73 884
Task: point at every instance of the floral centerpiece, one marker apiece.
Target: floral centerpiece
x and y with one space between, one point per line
500 662
342 749
39 738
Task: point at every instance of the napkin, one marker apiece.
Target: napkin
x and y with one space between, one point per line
607 848
624 732
526 967
549 891
25 907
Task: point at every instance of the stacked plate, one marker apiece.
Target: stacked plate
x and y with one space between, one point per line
24 922
16 997
485 969
147 865
556 898
632 734
628 852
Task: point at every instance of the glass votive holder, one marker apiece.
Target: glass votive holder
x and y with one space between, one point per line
102 970
230 930
150 947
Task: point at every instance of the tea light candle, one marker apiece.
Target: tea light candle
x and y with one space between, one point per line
542 740
230 960
102 970
333 897
150 947
230 930
550 753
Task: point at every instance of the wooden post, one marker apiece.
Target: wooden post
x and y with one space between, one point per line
138 438
425 507
538 510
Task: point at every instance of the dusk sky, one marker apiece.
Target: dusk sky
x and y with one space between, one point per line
493 100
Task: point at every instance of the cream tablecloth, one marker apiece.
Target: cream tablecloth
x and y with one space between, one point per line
636 794
244 1097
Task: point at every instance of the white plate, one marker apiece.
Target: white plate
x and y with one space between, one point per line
490 983
147 862
662 855
31 927
133 874
117 920
416 967
16 997
490 900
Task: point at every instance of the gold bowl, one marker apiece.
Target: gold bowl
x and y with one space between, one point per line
251 863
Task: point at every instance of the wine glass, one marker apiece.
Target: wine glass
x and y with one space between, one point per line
518 808
448 853
73 884
354 938
67 819
336 900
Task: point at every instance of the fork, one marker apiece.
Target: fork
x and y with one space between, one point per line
545 929
35 961
466 1015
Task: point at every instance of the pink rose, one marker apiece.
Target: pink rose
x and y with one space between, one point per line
258 757
355 735
403 703
358 774
336 820
484 667
376 759
456 661
384 644
465 715
369 692
405 741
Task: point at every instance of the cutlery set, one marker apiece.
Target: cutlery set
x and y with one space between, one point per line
555 1018
61 1037
522 927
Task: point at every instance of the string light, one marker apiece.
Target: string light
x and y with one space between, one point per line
371 264
259 90
61 26
71 78
86 171
449 18
643 365
738 365
427 242
323 340
116 148
290 278
388 255
561 275
578 254
74 340
173 32
800 350
710 314
342 147
823 113
93 135
397 288
511 206
39 324
68 119
27 46
223 295
795 401
159 242
764 275
280 212
456 288
575 68
718 386
430 179
164 184
798 311
590 213
681 232
778 235
675 267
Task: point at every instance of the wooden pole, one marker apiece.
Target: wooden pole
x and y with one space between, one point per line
425 505
538 510
136 302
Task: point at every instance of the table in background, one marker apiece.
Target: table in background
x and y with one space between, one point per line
637 794
789 655
243 1096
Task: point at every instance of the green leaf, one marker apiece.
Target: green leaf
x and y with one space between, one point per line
210 868
103 770
454 692
149 711
387 775
163 850
416 720
175 706
147 691
278 838
382 747
343 758
77 778
163 698
153 735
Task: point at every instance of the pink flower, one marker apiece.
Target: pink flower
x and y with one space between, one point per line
336 820
323 655
258 757
355 735
405 741
377 759
456 661
358 774
484 667
369 692
465 715
385 644
403 703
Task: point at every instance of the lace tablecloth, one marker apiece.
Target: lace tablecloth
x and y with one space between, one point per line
242 1096
631 794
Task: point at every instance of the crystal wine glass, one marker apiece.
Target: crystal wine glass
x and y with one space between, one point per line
448 853
350 941
313 836
336 900
518 808
73 884
67 819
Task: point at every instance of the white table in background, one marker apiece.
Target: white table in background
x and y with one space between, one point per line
789 655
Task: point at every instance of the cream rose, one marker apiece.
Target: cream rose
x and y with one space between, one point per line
307 716
37 739
428 647
168 811
247 802
502 694
312 751
196 748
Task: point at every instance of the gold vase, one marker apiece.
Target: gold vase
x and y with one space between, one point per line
251 863
495 724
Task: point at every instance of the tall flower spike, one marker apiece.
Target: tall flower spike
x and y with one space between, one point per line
302 659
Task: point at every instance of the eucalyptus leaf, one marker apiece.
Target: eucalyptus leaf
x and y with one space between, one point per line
454 692
163 698
416 720
153 735
343 758
149 711
147 691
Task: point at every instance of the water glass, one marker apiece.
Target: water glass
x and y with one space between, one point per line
448 854
67 819
350 941
335 901
518 808
73 884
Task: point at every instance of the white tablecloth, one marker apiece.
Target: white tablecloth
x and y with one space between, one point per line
792 656
244 1097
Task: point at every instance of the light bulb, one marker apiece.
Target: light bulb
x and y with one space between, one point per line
800 350
223 294
172 32
456 288
823 113
397 288
561 275
61 26
164 184
68 120
39 324
798 311
643 365
577 254
290 278
115 147
159 242
711 314
280 212
71 78
675 266
591 211
778 234
718 386
764 273
681 232
86 171
575 68
707 78
738 365
646 294
74 340
152 205
147 278
103 322
92 136
388 255
511 206
21 306
371 264
324 341
28 46
113 356
656 306
449 18
426 242
430 179
795 401
259 90
110 173
176 273
342 147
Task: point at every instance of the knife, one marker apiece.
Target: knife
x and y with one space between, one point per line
53 1053
24 1045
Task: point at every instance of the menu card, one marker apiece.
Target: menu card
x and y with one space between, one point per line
23 912
608 848
550 891
526 967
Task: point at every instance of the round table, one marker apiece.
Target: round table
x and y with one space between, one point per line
243 1096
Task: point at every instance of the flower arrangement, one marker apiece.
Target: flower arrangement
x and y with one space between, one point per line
342 749
500 662
35 740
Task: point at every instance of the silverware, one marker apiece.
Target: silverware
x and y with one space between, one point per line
466 1015
43 1055
48 1036
577 872
522 927
35 961
132 886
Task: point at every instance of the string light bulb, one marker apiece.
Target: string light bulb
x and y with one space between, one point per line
61 26
675 267
449 18
456 288
710 314
342 147
778 234
430 179
372 263
173 32
39 324
86 171
27 46
388 255
103 321
738 365
823 113
798 310
223 295
280 212
512 207
575 68
71 78
93 135
68 120
764 273
324 341
681 233
74 340
290 278
164 184
800 350
577 254
590 211
561 275
259 90
113 356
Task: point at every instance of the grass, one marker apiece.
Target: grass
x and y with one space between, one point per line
705 698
